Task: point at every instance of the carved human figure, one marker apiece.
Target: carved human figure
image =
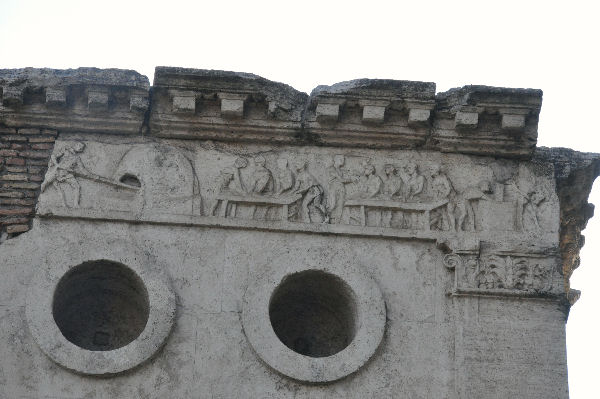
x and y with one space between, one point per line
441 189
226 179
314 205
304 180
413 181
463 208
370 184
230 181
238 186
285 177
392 183
262 178
361 181
391 187
374 182
312 195
337 180
62 171
529 214
526 207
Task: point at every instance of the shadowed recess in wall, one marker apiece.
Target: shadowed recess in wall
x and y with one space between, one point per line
314 313
101 305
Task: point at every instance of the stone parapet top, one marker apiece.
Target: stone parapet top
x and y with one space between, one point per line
79 100
222 105
231 106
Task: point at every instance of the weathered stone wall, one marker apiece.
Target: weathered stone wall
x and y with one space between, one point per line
221 235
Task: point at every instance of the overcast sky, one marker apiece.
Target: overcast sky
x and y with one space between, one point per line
553 46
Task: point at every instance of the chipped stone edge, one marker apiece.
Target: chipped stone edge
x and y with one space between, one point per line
572 169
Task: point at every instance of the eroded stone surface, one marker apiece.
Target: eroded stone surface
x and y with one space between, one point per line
448 238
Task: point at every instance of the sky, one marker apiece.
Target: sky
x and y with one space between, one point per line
549 45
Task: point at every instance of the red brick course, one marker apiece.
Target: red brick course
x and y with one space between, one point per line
15 161
24 157
7 221
41 139
43 146
15 211
17 201
17 228
14 177
8 153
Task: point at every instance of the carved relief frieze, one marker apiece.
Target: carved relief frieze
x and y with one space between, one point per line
504 273
397 194
142 179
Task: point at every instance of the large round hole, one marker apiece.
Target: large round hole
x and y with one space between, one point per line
100 305
313 313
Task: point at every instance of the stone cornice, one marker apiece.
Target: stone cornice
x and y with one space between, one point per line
220 105
230 106
487 120
74 100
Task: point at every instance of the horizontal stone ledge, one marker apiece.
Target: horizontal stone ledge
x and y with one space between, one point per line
200 101
87 99
365 113
441 237
505 293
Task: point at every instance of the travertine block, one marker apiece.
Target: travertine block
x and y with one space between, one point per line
418 117
513 122
138 103
327 112
12 96
184 104
466 120
373 114
232 108
97 100
56 97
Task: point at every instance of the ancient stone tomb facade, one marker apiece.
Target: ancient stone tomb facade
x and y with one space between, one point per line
220 235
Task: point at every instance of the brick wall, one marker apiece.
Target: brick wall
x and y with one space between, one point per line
24 156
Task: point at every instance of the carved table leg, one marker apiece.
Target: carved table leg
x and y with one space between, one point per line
284 213
224 205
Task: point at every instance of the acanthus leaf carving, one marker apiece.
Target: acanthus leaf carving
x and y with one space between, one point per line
498 273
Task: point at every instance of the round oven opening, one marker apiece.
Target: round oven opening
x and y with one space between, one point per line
314 313
100 305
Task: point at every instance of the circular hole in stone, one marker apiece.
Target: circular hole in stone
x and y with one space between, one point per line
313 313
100 305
